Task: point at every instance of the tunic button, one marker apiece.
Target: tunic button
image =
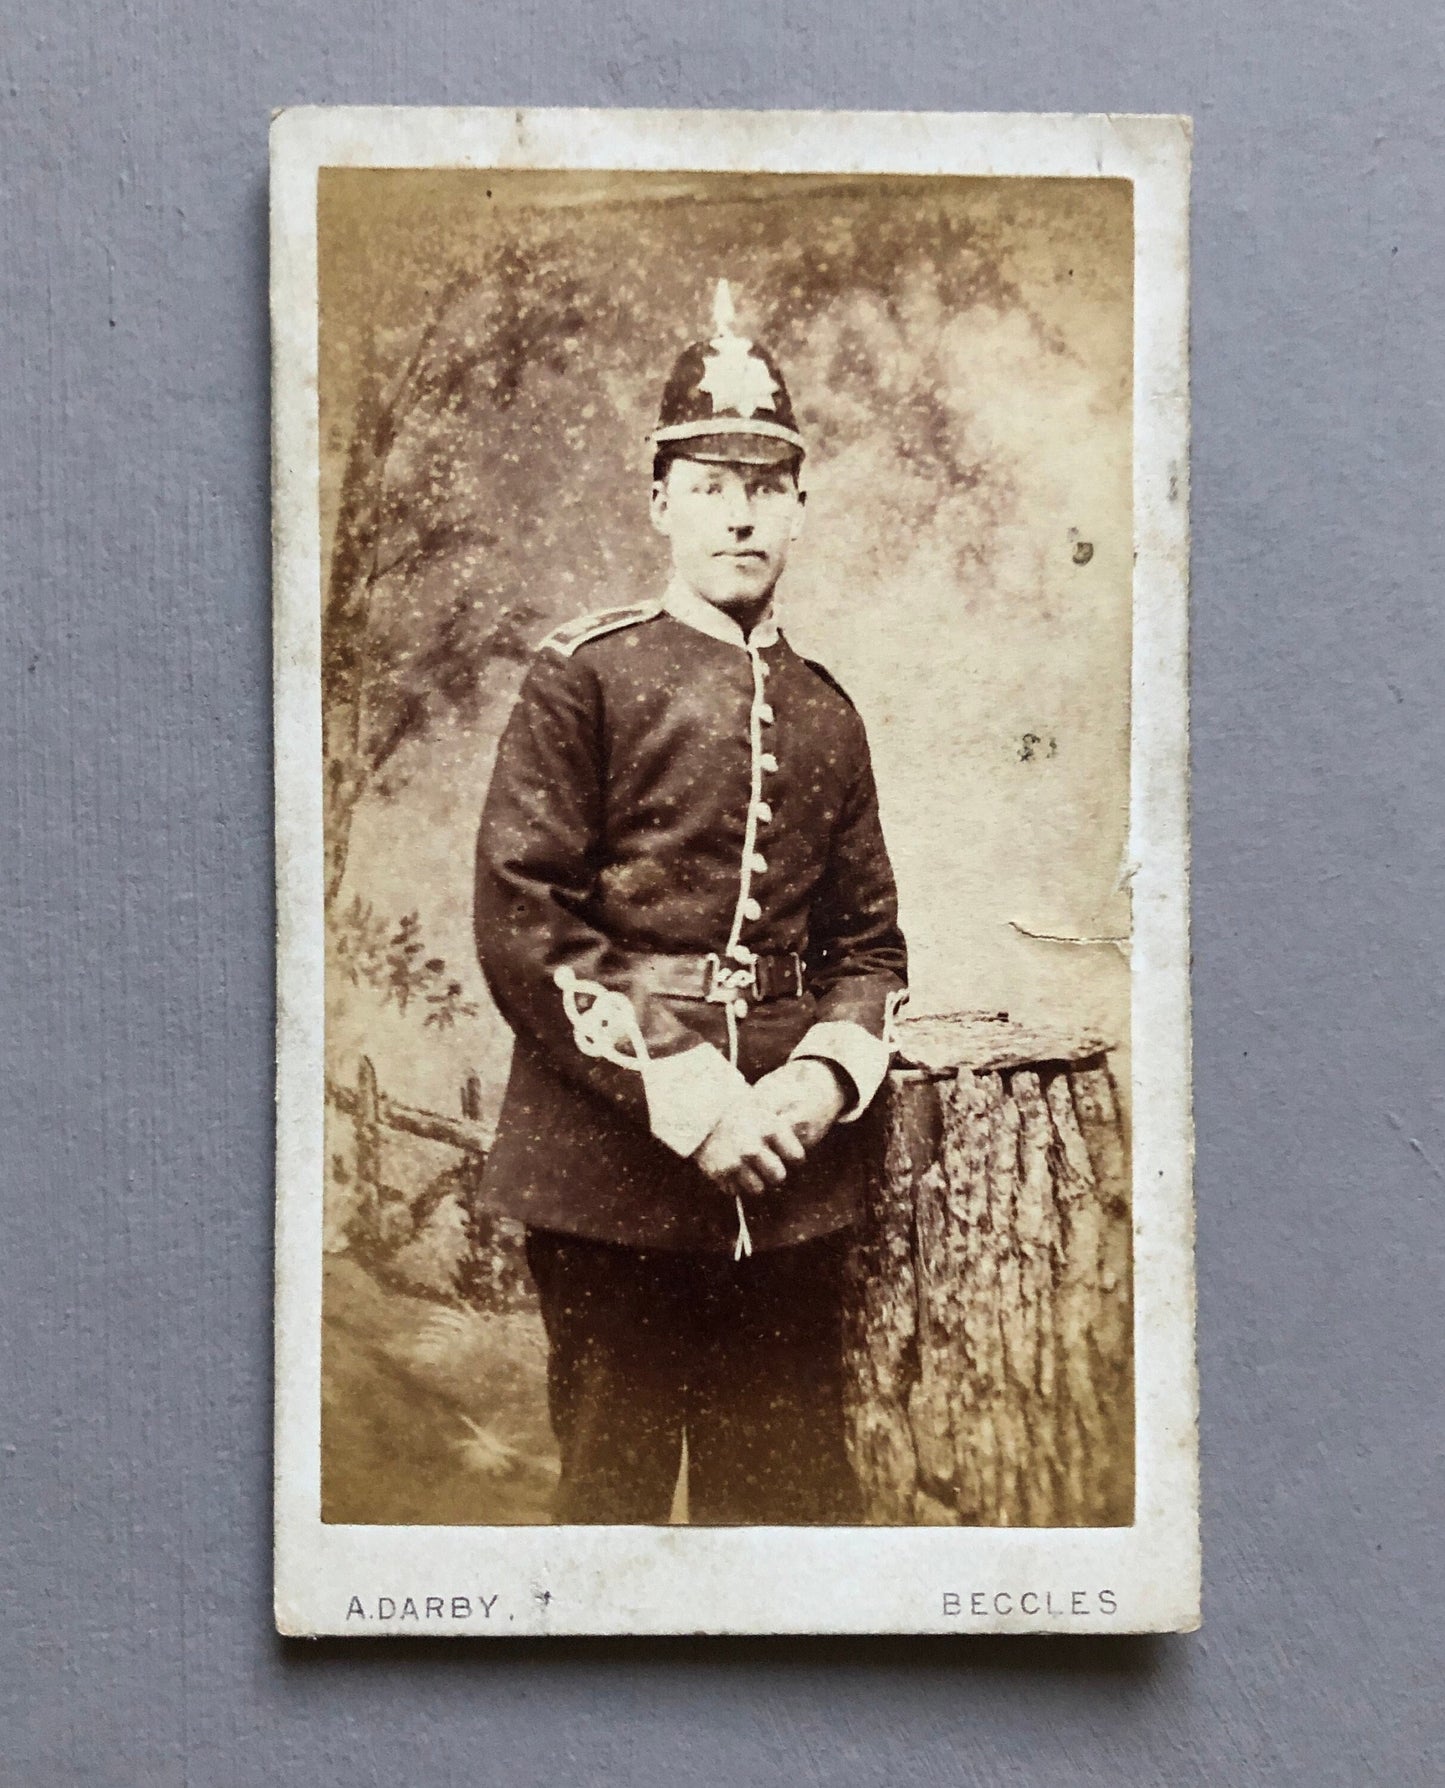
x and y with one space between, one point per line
760 864
740 1008
741 953
762 813
767 761
765 714
751 910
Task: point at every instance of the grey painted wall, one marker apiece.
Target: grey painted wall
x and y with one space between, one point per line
135 1048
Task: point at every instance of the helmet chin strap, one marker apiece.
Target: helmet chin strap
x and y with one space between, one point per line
747 611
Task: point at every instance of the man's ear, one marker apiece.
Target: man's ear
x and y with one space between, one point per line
797 526
657 506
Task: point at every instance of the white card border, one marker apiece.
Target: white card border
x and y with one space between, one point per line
515 1581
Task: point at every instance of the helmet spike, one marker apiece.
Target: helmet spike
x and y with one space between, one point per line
723 313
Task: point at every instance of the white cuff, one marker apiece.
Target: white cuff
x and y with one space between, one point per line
687 1094
853 1049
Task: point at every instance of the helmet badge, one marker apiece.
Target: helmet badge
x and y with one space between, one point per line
735 378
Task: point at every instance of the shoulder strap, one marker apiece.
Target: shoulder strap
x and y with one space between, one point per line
819 671
572 634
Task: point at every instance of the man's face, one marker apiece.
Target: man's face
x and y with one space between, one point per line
730 527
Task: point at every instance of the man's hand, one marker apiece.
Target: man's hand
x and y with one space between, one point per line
805 1095
751 1147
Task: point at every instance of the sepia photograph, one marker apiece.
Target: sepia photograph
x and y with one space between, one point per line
732 842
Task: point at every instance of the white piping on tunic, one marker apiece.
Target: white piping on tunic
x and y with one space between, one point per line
751 859
600 1028
752 862
688 607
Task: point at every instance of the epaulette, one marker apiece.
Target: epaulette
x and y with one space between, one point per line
832 682
571 634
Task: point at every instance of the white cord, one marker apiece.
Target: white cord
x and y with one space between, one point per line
744 1243
743 1246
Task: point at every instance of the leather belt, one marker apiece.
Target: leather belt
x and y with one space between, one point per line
710 978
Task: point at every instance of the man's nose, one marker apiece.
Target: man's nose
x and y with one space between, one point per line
738 509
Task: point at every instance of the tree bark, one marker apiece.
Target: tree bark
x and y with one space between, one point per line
989 1336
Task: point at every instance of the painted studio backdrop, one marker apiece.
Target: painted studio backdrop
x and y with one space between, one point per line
492 350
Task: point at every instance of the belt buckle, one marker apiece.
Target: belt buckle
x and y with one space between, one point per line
724 981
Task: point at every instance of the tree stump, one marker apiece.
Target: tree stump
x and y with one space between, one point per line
989 1326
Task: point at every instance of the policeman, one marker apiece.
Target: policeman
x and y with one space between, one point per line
686 914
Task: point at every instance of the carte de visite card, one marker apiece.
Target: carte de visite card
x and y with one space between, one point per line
734 1137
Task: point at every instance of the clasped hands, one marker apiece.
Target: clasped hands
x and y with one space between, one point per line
759 1138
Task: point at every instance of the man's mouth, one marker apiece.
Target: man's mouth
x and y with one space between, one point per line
741 552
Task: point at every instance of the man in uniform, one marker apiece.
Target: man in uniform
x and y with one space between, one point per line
686 914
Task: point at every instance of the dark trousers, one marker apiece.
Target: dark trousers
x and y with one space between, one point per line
744 1358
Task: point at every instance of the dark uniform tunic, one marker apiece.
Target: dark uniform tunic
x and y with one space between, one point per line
666 792
682 883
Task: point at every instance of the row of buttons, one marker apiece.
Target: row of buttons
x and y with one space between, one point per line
762 814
